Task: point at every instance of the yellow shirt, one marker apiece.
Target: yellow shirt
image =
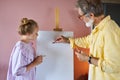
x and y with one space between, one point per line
104 43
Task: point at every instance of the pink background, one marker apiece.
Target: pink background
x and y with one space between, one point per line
43 12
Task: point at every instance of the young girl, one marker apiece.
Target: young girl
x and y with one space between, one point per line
23 61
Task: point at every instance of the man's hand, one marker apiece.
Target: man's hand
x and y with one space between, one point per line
81 55
61 39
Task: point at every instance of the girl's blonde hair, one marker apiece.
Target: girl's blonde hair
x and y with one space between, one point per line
27 26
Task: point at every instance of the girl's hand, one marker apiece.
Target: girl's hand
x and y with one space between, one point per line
35 62
38 60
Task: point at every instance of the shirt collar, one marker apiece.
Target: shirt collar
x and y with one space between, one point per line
100 26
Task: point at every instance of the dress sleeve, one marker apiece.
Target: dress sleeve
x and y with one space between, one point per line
19 61
80 42
111 60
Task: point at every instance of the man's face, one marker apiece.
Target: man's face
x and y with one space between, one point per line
81 14
86 18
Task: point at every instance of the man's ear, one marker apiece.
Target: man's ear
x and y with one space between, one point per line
92 15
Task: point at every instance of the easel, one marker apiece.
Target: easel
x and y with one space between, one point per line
57 21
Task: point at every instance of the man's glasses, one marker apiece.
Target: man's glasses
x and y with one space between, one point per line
80 16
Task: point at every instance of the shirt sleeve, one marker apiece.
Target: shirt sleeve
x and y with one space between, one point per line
19 62
111 60
80 42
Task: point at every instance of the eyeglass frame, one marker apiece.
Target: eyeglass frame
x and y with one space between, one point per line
79 16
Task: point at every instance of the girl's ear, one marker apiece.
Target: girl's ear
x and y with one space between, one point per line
28 34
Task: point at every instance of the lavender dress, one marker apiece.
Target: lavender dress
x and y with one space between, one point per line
22 55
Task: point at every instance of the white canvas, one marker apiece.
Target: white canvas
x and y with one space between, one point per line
58 63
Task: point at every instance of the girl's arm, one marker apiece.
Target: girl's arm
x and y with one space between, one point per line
36 61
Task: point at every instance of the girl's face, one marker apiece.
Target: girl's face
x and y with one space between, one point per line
34 35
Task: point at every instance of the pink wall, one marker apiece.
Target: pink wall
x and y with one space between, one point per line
11 12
